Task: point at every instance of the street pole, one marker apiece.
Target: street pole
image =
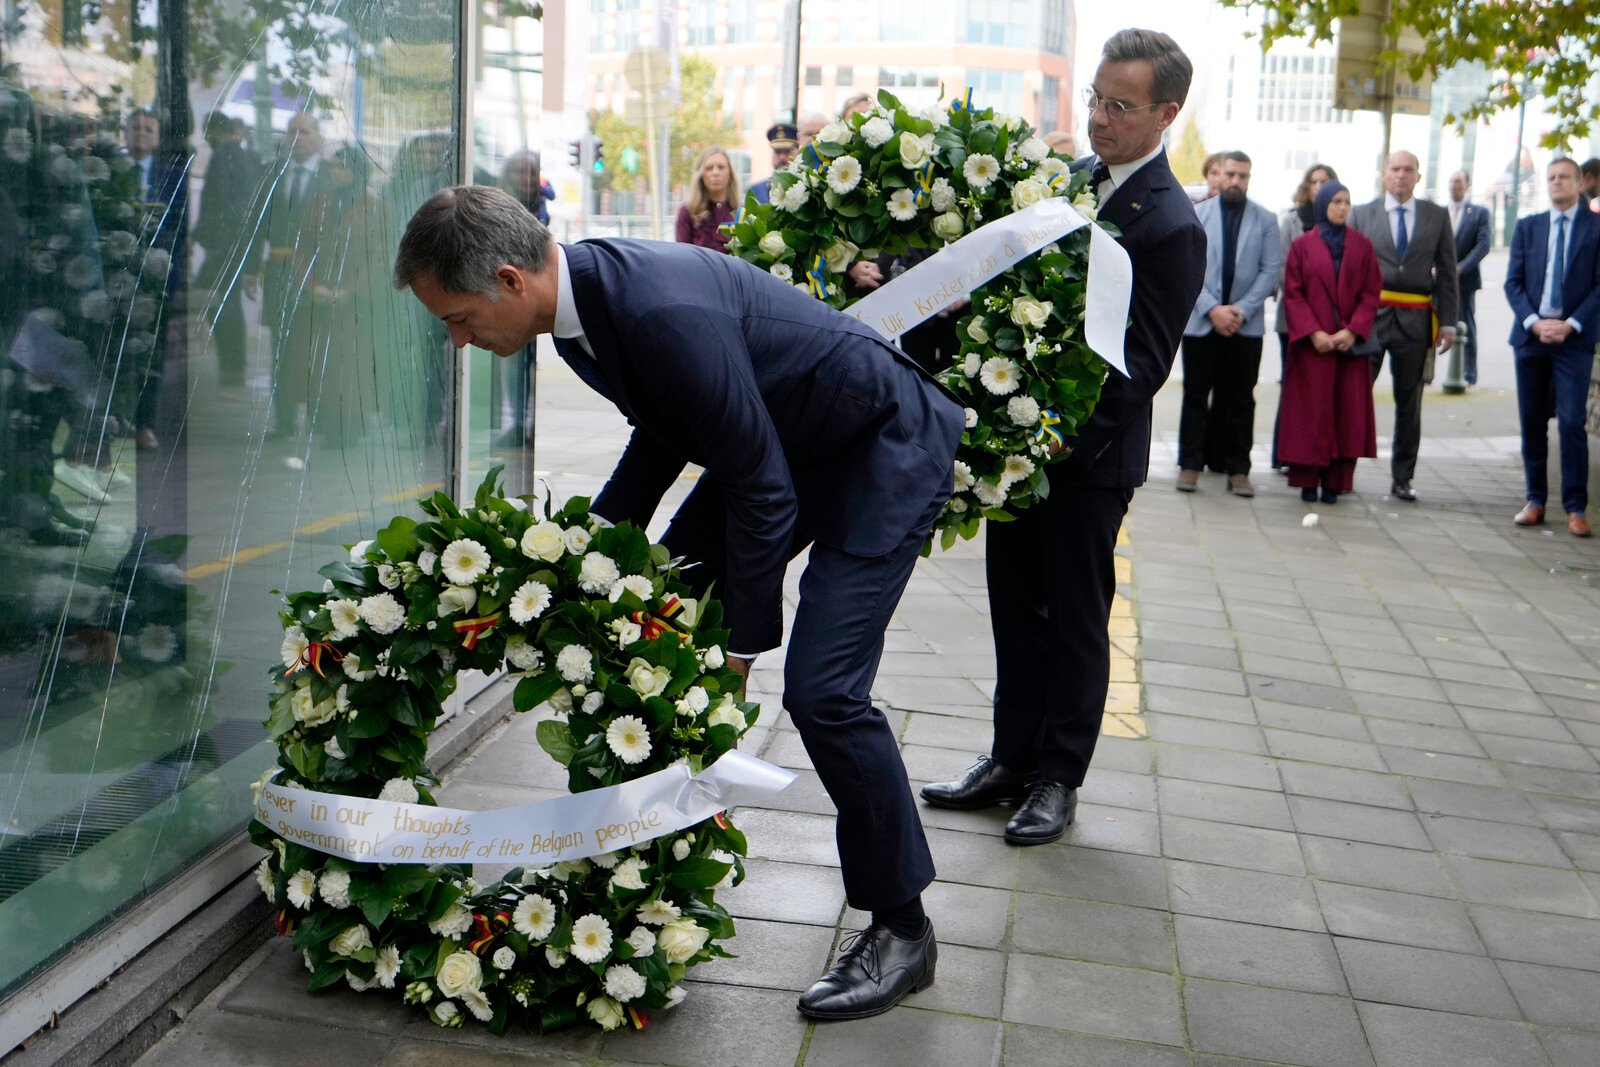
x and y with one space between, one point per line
1514 196
789 79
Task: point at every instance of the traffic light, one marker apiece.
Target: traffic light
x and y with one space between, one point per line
576 151
599 158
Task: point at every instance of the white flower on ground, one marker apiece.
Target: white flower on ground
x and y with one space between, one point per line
637 584
453 923
948 226
352 940
782 271
876 131
1022 410
1030 313
713 657
456 598
772 243
796 196
383 613
643 940
943 194
606 1013
913 151
844 174
294 646
302 884
726 713
399 791
575 663
335 888
680 851
386 968
505 957
591 939
464 561
903 205
980 170
1000 375
535 916
346 616
963 477
264 880
523 656
577 539
544 540
459 973
1028 192
628 738
661 912
623 983
835 133
477 1002
597 573
681 939
629 875
529 601
989 495
1016 469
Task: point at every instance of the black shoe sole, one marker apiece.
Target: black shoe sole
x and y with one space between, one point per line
967 805
866 1013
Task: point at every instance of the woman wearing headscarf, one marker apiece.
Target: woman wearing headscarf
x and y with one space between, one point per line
1298 218
1330 294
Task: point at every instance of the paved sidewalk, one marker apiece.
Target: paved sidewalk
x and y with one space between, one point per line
1347 810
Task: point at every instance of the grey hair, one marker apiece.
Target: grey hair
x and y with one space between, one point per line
1173 71
459 237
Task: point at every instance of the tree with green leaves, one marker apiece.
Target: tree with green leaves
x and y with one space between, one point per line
1532 48
1188 157
696 121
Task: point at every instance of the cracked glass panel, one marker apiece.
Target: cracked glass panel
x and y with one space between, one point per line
208 387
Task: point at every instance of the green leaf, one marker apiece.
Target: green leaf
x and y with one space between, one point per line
531 692
398 539
325 976
556 738
698 872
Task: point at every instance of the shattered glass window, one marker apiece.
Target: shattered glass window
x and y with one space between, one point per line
208 386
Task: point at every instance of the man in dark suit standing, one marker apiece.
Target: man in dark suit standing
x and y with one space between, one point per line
1052 571
222 228
1554 291
812 431
1470 223
1417 254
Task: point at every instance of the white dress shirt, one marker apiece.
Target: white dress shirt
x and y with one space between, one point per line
568 326
1121 172
1547 310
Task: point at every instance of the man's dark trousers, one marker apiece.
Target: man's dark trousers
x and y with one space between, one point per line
1407 359
1217 426
1554 380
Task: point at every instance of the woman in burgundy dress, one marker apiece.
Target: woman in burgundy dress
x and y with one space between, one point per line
713 192
1330 292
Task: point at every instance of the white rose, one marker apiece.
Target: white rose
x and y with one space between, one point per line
726 713
646 680
459 973
544 540
352 940
577 539
976 331
680 850
970 417
835 133
913 153
840 255
970 363
782 271
681 939
949 226
772 244
606 1013
457 598
1027 193
1031 313
505 957
427 559
358 551
713 657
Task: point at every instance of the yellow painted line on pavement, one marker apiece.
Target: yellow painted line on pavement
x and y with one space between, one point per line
244 555
329 523
1124 696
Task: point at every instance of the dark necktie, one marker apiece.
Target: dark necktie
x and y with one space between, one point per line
1558 269
583 365
1400 241
1100 174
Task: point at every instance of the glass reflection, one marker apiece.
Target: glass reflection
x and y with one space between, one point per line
208 386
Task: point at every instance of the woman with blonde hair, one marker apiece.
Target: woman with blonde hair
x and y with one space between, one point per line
713 192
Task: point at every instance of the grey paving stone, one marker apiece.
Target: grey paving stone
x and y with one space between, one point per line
1391 684
1566 755
1494 840
1198 703
509 763
1318 721
1520 885
1037 1046
1093 998
225 1038
1243 895
1118 789
1118 829
1532 937
1558 996
1425 978
1274 1024
1445 739
804 794
1153 650
970 981
971 736
908 1038
793 837
1357 822
1155 630
927 764
1368 636
772 955
1550 780
785 749
1216 765
415 1052
971 915
1407 1037
1403 870
1472 801
1130 754
1268 645
1389 706
1290 691
1259 664
1257 955
1087 930
973 859
1493 696
1459 670
717 1027
1342 783
1330 751
1399 918
1232 846
786 892
1420 764
276 988
1377 659
1094 874
1570 1048
1207 733
1224 803
919 693
1584 852
1216 621
1567 813
1186 676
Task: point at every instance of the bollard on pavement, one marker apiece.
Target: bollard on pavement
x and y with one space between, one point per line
1453 381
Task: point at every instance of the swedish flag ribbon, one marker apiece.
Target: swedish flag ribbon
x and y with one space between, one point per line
924 182
1048 421
817 279
963 105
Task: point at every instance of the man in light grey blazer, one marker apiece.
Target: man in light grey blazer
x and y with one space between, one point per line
1222 340
1417 253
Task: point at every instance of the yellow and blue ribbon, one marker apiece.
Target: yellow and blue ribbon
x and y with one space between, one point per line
1048 421
924 182
817 279
963 105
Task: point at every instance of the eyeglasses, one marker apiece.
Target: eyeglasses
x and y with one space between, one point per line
1115 109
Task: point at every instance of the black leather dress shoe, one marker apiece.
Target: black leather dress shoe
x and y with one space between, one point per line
876 971
1403 491
985 784
1044 816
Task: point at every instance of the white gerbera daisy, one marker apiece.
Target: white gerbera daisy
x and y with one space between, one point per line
346 615
1016 469
623 983
661 912
844 174
464 561
591 939
989 495
1000 375
302 884
597 573
386 968
294 646
535 916
980 170
628 738
529 601
963 477
637 584
264 880
477 1002
1023 410
903 205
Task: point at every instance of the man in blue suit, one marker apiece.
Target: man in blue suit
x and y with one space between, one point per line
1052 571
1555 295
1471 226
812 431
1222 342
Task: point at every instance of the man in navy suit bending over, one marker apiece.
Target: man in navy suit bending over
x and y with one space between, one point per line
1553 285
812 431
1052 572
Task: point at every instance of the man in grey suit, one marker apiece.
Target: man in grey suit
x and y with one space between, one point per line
1470 224
1418 255
1222 341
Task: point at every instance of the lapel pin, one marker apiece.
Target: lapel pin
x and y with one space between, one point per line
1134 205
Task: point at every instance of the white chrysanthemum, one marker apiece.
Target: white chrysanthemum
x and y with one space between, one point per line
661 912
464 561
157 643
606 1013
637 584
597 573
345 615
399 791
1033 150
453 923
642 940
844 174
1023 410
796 196
1000 375
535 916
1016 469
529 601
523 656
629 875
876 131
386 968
628 738
264 880
335 888
302 884
963 478
591 939
623 983
607 861
943 195
383 613
980 170
903 205
576 664
505 958
782 271
294 646
989 495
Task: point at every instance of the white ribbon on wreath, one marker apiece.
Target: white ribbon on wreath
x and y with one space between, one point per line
995 247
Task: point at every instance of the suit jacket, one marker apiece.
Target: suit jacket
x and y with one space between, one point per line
1167 247
227 206
1472 244
762 190
1530 249
284 243
1257 263
1429 268
814 427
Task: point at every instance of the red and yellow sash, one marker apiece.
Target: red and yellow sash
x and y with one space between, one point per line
1394 298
